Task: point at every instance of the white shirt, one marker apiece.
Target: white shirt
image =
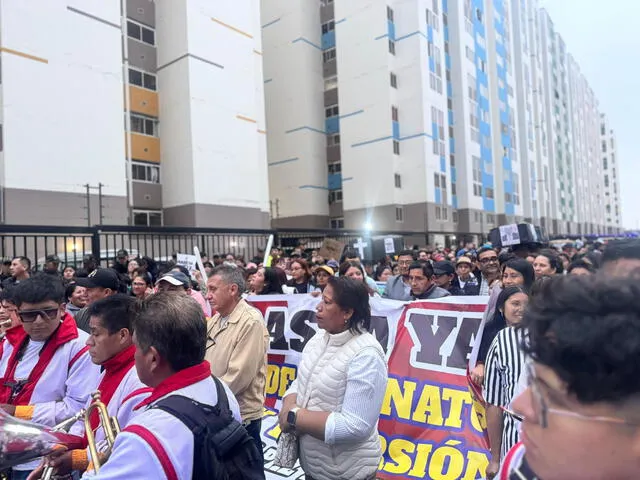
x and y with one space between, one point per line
363 389
134 458
29 360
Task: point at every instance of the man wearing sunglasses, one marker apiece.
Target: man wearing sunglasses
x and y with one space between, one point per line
581 407
46 373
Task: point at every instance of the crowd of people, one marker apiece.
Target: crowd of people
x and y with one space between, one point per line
555 358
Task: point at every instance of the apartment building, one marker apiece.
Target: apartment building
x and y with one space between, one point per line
159 103
612 210
449 116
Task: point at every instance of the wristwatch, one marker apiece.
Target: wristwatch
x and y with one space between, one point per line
291 416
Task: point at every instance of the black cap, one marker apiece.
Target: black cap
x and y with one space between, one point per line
443 268
100 278
122 253
52 258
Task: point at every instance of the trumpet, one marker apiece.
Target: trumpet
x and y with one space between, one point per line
110 425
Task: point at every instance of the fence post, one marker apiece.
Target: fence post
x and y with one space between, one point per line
95 244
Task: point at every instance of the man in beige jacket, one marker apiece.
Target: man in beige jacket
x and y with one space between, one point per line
237 344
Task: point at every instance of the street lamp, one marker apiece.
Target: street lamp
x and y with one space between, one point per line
368 227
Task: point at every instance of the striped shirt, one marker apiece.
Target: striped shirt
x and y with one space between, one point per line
505 362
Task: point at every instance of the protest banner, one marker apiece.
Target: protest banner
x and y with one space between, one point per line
428 427
187 261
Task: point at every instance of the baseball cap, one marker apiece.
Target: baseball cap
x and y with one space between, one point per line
122 253
327 269
178 279
100 278
443 268
463 259
333 264
52 258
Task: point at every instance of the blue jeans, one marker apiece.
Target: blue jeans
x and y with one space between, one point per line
254 429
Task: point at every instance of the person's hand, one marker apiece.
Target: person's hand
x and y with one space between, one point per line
197 275
317 293
492 469
37 473
60 460
477 374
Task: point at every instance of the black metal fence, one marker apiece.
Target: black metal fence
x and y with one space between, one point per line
71 244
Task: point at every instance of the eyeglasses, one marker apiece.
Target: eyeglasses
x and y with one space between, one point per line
30 316
405 262
542 410
488 260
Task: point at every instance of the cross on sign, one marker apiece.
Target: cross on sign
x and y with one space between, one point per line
360 246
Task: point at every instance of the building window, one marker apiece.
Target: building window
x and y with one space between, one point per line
333 140
438 213
399 214
491 218
454 216
488 192
332 111
142 79
436 180
393 80
604 146
445 213
329 55
335 196
394 113
335 168
328 27
337 222
398 180
392 47
390 14
141 33
143 125
142 172
396 147
453 189
477 176
147 218
330 83
436 7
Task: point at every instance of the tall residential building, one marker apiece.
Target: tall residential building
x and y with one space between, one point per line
449 116
613 217
158 101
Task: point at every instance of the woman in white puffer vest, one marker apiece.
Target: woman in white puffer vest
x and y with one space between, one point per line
335 402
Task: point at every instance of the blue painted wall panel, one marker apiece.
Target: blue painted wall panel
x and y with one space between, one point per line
329 40
334 181
391 30
396 130
332 125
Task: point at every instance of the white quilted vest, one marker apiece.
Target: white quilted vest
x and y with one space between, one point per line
322 381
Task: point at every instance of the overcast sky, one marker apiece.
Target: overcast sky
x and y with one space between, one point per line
604 38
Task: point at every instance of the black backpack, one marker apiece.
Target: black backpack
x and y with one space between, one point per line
223 449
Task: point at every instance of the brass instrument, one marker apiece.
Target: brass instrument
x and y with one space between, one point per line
109 424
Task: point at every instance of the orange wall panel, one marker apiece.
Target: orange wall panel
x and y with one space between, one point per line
144 147
143 101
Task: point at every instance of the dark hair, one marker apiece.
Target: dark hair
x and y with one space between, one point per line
207 264
175 326
68 292
407 253
581 264
144 276
380 270
554 259
305 267
426 267
587 330
524 268
116 312
482 250
540 285
350 294
182 268
505 257
272 281
26 263
349 253
8 295
505 294
39 288
628 248
345 266
250 271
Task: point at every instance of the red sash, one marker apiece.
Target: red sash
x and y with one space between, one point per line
115 370
18 338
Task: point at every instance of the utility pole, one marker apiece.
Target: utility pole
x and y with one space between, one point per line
100 185
88 187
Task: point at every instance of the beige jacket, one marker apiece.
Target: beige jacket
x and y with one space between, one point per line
237 353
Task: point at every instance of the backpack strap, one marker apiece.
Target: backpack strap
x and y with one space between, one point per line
223 401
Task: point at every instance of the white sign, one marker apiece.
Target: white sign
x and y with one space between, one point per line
509 235
389 247
187 261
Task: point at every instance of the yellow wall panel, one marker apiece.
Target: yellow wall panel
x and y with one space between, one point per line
144 147
143 101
